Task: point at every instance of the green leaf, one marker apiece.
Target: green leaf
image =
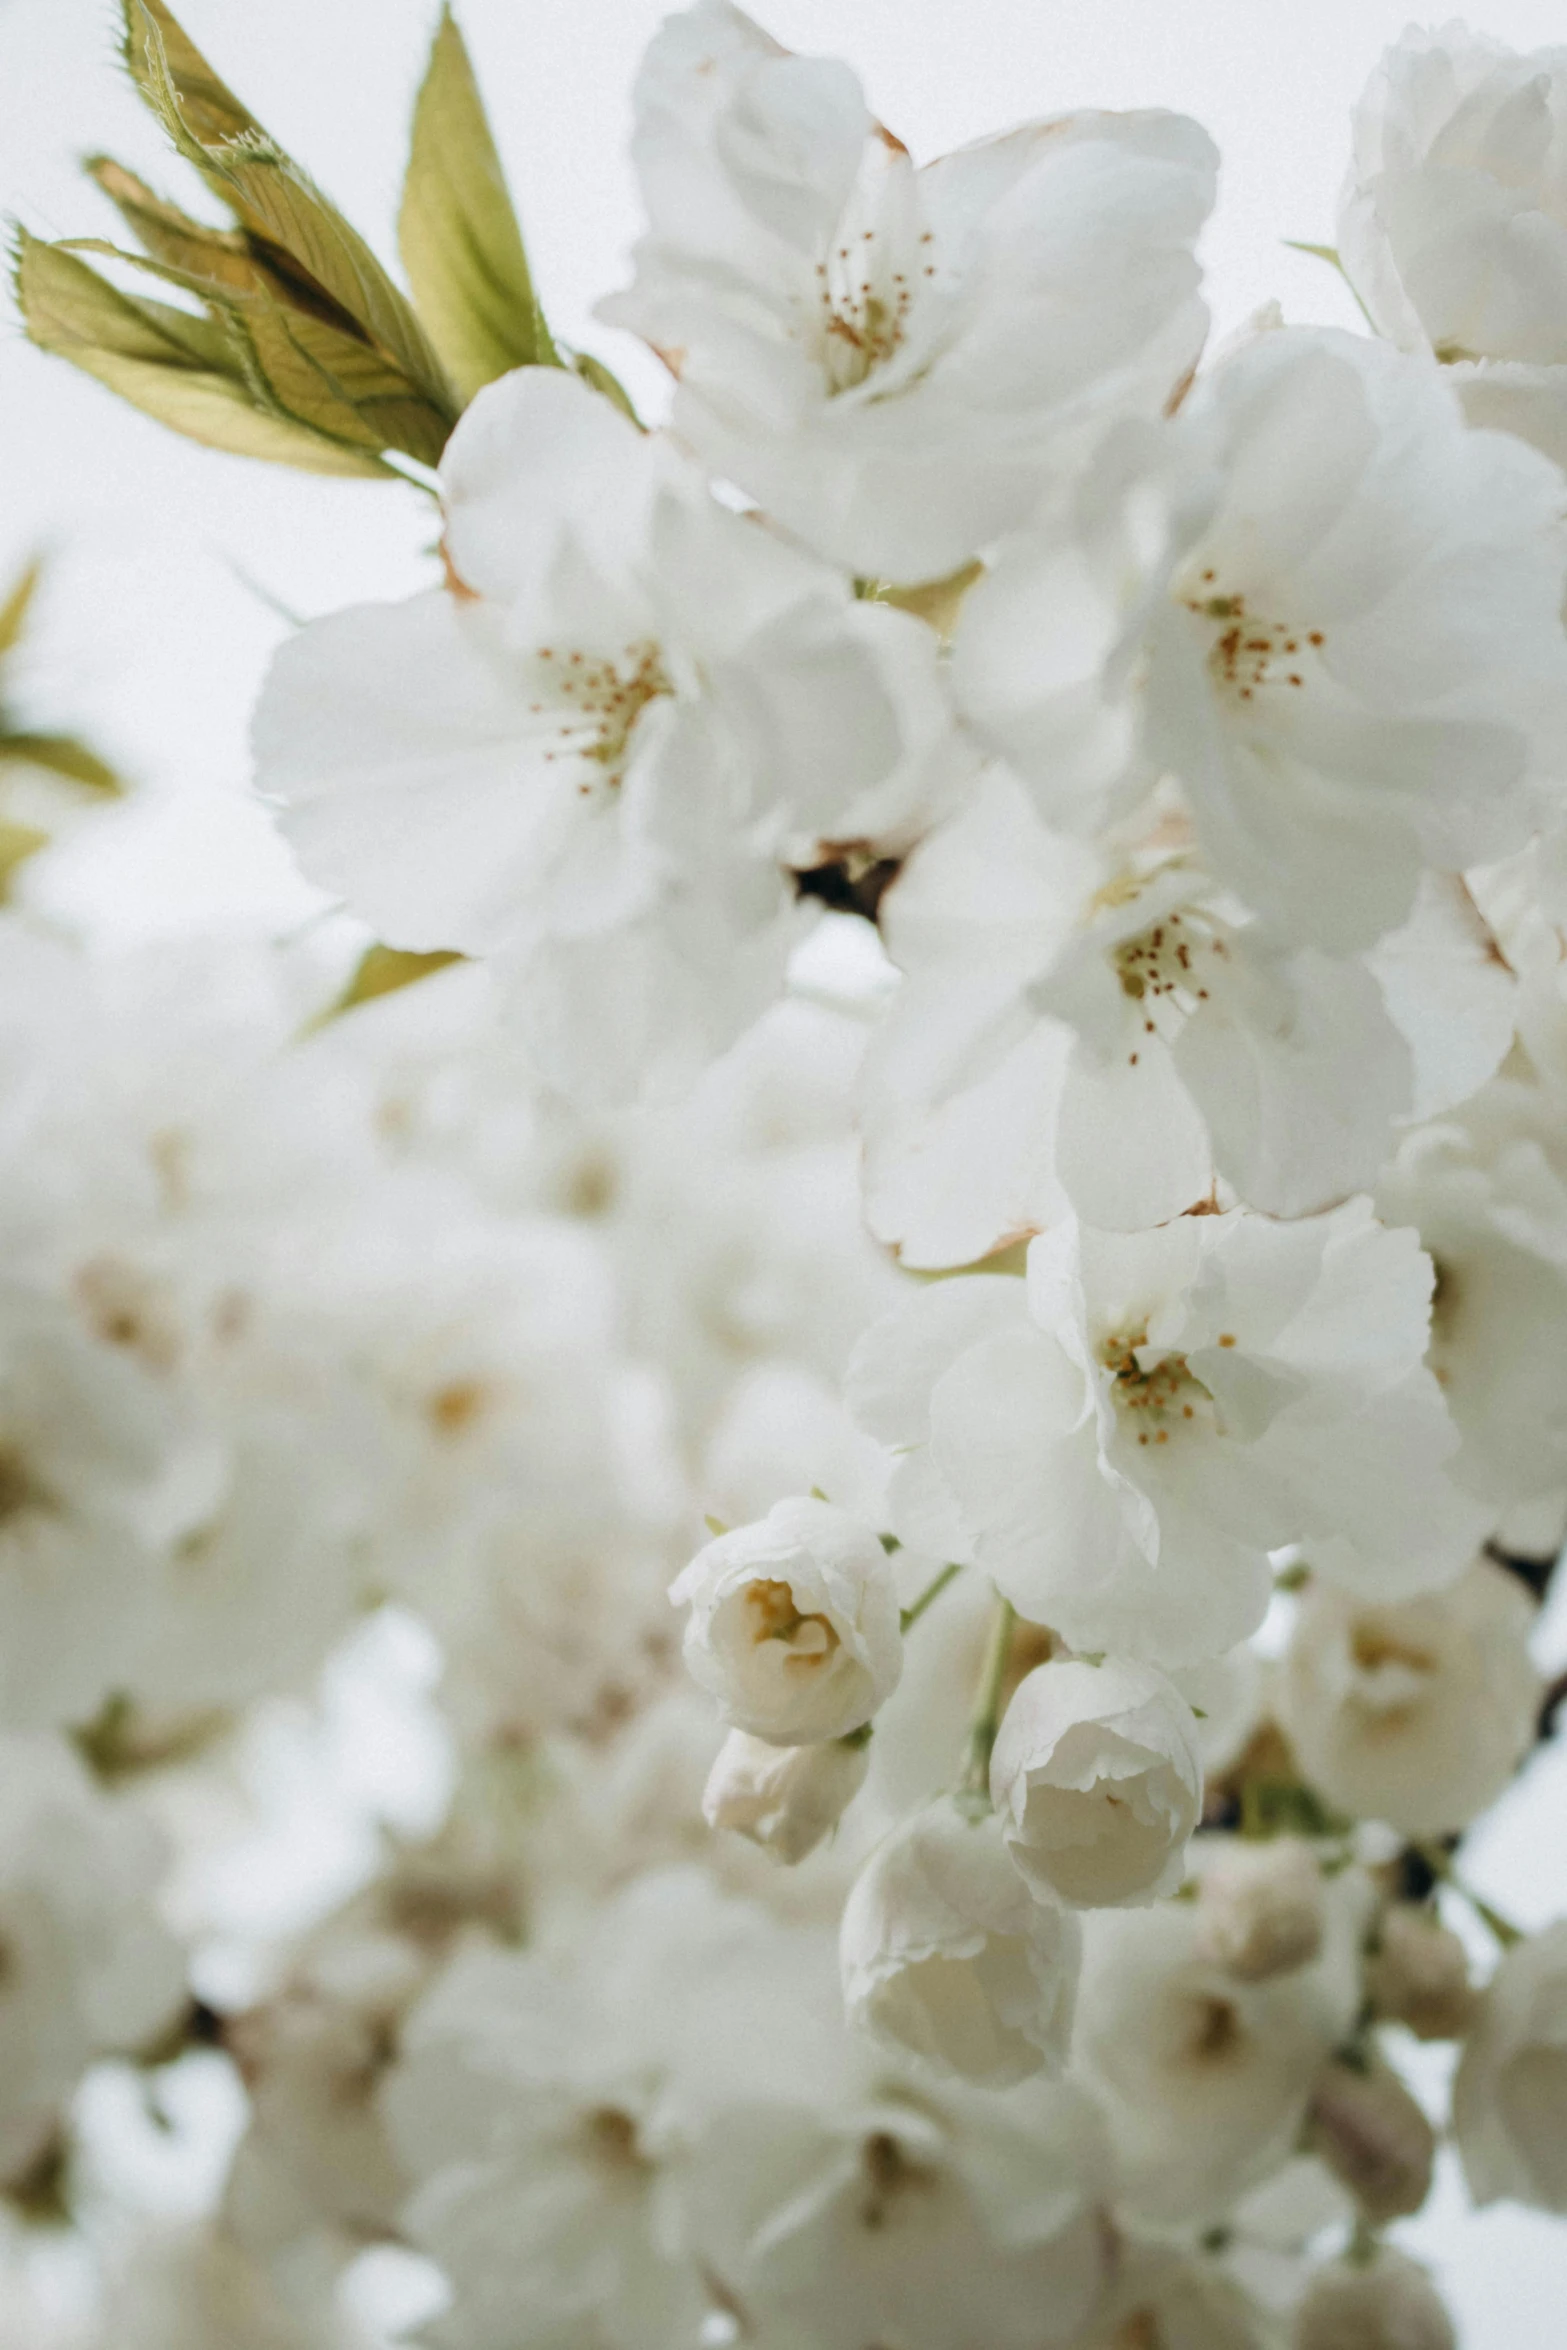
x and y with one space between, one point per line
18 842
15 609
1330 254
180 368
176 80
311 253
937 602
330 380
382 971
335 341
64 755
1327 253
458 233
593 371
215 257
311 364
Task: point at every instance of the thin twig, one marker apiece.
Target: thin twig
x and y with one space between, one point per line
932 1591
974 1787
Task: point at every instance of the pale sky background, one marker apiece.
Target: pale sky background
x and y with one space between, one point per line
152 640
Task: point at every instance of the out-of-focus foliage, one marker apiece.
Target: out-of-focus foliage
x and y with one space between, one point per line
30 756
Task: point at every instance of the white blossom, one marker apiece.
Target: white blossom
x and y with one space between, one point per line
1345 700
545 2101
1508 2106
892 360
794 1623
99 1471
927 2218
949 1957
1097 1782
969 789
1385 2303
89 1969
1416 1712
1204 2080
785 1798
1453 220
589 752
1184 2304
1489 1200
1103 1020
1121 1440
194 2288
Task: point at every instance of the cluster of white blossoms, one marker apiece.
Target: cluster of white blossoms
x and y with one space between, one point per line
989 906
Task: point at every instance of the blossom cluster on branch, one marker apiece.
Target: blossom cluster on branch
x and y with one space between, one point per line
970 990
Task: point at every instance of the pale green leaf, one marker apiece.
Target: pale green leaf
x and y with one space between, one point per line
181 369
176 80
458 234
311 253
18 842
1327 253
382 971
63 755
1331 255
308 259
212 257
16 607
309 364
594 372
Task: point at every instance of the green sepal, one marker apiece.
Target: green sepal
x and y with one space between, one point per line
18 842
16 607
64 755
382 971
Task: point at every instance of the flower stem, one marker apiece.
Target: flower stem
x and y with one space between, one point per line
932 1591
1440 1863
974 1787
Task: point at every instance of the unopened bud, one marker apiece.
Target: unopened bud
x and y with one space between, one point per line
1387 2303
786 1798
1374 2138
1261 1909
1097 1780
1418 1975
794 1623
946 1955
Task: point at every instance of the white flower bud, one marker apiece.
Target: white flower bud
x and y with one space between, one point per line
1387 2303
1418 1975
794 1624
1261 1908
1097 1780
786 1798
1510 2095
946 1954
1374 2138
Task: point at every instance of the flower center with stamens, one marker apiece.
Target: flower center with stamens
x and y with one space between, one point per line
596 700
863 303
1166 969
1250 656
810 1640
1155 1400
